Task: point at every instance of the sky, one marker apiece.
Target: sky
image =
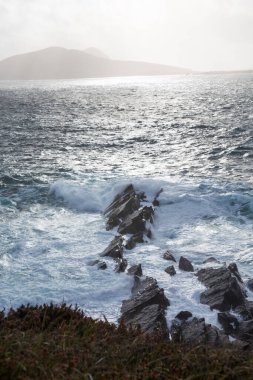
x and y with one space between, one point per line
196 34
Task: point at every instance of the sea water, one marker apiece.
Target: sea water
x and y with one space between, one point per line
66 149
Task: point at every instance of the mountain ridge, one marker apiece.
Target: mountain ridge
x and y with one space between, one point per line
61 63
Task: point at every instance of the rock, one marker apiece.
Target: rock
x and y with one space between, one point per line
234 270
245 331
156 201
185 264
170 270
197 332
115 248
168 256
229 323
250 284
183 315
123 204
121 265
223 290
100 264
211 260
136 222
146 308
135 270
245 310
133 240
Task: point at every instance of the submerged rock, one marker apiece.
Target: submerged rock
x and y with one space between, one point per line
146 308
223 290
185 264
211 260
100 264
133 240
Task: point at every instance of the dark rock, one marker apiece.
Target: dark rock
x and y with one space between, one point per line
124 203
250 284
240 345
185 264
211 260
149 234
135 223
156 201
245 331
184 315
245 310
137 238
115 248
146 308
135 270
121 265
196 332
171 270
234 270
224 291
168 256
229 323
102 265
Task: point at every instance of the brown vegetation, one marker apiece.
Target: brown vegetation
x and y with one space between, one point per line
59 342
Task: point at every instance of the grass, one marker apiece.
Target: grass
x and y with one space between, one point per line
59 342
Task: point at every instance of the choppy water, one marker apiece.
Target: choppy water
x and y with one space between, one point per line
66 148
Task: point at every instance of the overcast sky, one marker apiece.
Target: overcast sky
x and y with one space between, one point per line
198 34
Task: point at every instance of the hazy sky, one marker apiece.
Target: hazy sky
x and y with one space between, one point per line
198 34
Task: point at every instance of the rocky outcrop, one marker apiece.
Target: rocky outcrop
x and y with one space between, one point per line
100 264
121 265
135 223
211 260
183 315
146 308
223 289
196 331
185 264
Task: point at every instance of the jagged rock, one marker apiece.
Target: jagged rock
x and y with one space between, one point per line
234 270
245 331
115 248
245 310
121 265
250 284
185 264
136 222
133 240
146 308
223 290
183 315
135 270
170 270
168 256
124 203
211 260
228 322
196 331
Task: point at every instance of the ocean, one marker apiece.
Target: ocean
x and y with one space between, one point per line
67 147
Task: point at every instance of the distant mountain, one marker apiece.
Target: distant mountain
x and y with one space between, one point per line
60 63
